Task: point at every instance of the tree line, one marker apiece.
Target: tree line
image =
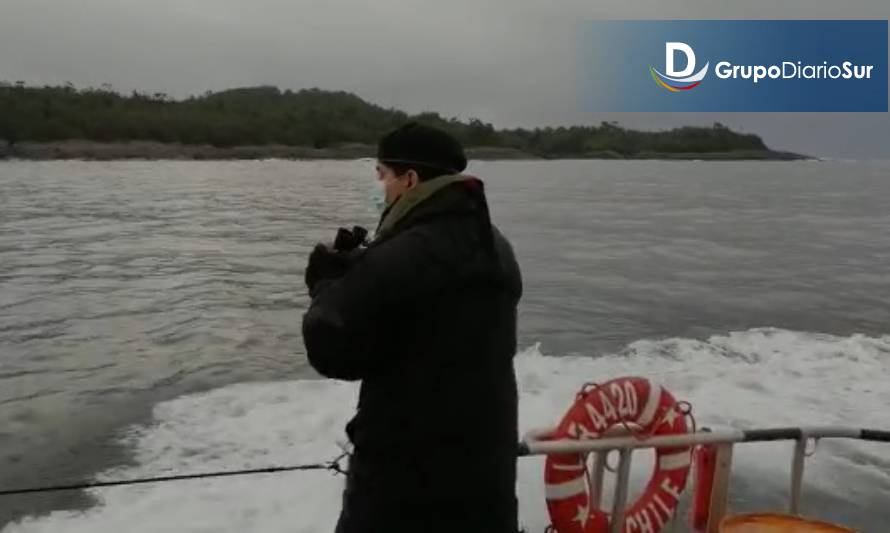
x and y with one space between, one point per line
309 117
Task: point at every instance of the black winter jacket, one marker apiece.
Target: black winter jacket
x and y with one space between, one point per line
426 319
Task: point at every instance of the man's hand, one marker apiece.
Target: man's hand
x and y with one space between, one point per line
325 263
332 262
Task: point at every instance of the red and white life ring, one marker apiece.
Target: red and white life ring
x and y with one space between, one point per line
637 403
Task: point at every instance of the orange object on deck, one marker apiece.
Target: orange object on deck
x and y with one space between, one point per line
777 523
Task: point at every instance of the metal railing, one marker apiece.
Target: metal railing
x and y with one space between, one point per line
536 442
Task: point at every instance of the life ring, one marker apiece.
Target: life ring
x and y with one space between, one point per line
648 409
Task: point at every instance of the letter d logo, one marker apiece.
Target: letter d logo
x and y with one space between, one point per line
670 50
676 81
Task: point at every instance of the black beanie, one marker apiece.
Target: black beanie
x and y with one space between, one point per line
417 144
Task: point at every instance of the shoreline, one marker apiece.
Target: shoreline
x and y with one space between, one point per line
155 151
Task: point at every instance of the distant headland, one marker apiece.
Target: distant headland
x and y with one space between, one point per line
265 122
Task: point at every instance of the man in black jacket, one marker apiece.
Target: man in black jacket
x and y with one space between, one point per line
425 317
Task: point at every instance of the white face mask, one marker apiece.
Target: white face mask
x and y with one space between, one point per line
377 196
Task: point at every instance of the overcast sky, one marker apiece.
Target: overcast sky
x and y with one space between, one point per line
509 62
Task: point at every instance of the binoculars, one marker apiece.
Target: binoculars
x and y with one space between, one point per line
348 240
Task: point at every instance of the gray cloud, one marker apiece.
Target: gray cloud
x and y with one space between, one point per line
511 62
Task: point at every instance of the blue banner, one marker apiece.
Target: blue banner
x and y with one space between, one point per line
735 65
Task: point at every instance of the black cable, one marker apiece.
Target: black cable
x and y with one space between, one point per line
332 465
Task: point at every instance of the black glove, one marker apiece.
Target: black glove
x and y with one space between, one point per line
326 263
348 240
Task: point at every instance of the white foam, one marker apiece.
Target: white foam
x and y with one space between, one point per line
752 378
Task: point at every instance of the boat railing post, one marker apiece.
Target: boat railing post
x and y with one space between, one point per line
720 488
596 478
797 465
621 488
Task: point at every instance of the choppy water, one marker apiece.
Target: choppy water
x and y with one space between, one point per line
760 291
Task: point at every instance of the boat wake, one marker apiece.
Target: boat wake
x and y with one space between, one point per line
760 377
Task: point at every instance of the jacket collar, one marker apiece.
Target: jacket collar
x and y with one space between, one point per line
409 204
